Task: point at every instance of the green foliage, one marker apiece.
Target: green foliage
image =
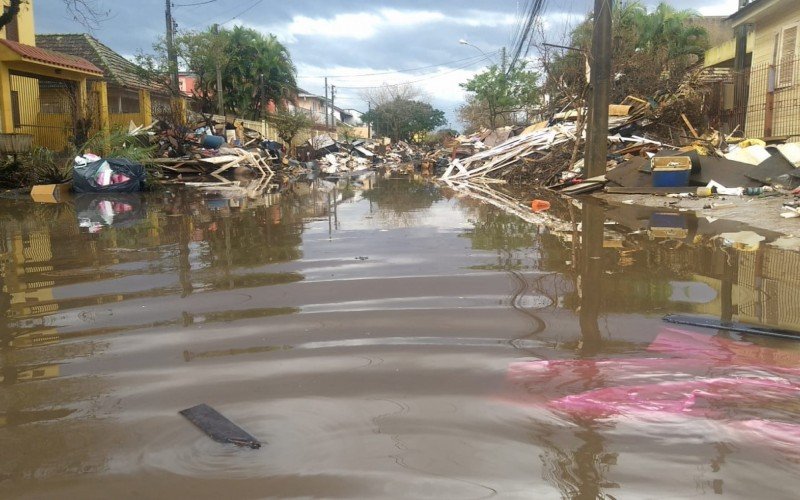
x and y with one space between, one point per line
651 52
289 123
500 94
440 137
254 68
252 55
404 119
50 168
118 144
43 166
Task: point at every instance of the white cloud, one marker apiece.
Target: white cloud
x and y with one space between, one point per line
719 8
356 26
367 25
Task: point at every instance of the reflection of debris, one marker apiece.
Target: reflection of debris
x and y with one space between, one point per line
96 211
743 240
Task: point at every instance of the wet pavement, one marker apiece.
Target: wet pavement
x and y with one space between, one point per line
397 341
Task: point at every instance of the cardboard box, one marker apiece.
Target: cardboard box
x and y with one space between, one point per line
51 193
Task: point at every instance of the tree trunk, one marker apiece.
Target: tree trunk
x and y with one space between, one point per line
8 16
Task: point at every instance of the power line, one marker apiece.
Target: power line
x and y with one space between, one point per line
242 12
207 22
401 70
193 4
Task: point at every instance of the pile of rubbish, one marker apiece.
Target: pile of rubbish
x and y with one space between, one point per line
341 158
93 174
541 150
638 161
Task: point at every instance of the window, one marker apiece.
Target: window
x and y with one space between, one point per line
788 53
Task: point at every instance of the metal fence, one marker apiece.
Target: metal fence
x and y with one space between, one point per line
44 108
763 101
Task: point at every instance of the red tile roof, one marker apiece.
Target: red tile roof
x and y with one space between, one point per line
32 53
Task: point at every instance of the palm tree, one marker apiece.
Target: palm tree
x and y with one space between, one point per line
671 35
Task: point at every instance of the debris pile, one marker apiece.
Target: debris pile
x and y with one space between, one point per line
640 160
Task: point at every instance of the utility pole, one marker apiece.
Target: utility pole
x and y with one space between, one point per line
326 102
333 107
503 60
218 67
597 133
369 124
172 55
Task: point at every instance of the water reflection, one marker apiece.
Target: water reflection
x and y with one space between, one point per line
387 338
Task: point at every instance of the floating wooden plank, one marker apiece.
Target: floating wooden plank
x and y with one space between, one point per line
219 428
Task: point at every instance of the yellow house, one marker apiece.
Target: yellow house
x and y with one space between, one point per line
29 73
129 96
773 104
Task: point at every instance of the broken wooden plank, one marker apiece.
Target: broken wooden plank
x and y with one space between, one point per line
689 124
219 428
649 190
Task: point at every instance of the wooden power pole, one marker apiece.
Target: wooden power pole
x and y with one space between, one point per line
597 132
172 55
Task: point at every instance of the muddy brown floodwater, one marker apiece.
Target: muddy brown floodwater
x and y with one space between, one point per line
394 342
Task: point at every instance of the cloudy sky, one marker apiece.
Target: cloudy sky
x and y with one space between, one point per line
350 41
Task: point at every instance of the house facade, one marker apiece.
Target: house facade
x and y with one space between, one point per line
773 94
315 106
43 93
129 96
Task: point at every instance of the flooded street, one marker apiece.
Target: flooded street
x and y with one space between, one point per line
396 341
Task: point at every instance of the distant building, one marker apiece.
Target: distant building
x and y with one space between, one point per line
187 83
352 117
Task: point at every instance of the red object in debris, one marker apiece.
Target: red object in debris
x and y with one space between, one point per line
540 205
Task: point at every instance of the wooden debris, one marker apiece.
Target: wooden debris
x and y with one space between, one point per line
219 428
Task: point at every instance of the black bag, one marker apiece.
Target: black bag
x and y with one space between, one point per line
85 177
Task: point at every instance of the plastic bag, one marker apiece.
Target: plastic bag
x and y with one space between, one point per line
110 175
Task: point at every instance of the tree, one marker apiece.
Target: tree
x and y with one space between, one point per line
259 69
83 11
387 93
502 94
289 123
404 119
255 68
651 52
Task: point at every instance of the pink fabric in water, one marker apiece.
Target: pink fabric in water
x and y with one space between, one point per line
686 344
676 397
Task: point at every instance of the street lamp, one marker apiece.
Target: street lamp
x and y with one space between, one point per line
464 42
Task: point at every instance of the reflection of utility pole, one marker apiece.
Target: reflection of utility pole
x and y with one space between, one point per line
172 55
597 133
591 271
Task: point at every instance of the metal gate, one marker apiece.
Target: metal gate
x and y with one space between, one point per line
44 108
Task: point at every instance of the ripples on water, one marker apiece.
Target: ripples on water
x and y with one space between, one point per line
400 341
